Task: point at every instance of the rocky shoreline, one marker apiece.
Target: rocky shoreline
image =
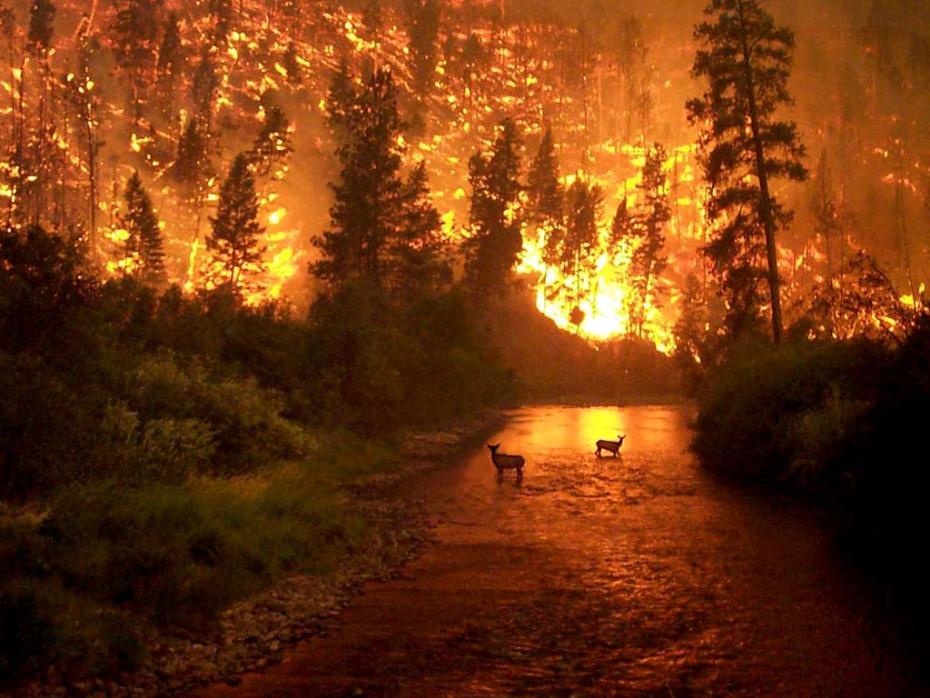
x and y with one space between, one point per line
254 633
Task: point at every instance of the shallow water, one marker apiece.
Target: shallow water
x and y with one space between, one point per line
639 575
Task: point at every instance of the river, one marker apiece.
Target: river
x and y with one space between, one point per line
640 575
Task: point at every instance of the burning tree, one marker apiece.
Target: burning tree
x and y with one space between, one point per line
578 250
273 143
747 60
235 240
136 35
497 240
647 235
546 200
423 28
860 301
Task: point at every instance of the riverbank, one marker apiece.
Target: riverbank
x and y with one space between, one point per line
252 633
633 576
837 425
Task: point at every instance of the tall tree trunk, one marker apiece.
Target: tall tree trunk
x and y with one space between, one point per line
765 198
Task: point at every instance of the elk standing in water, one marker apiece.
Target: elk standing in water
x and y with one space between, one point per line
504 462
611 446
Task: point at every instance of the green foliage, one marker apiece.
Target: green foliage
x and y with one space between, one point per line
107 560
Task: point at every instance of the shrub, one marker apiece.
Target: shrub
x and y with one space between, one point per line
752 409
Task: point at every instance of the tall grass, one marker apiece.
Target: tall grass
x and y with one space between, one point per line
107 560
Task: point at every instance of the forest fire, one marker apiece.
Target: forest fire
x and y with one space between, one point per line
270 269
242 67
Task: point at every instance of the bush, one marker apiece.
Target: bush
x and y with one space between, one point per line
762 411
844 422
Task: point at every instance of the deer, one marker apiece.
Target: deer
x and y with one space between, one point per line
611 446
504 462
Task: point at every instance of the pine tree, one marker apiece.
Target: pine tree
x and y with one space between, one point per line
41 25
369 196
35 152
647 261
827 218
418 254
423 29
204 86
136 32
273 143
290 61
545 194
622 225
144 240
191 168
689 331
546 201
585 203
746 59
631 54
492 251
221 12
235 240
341 99
172 62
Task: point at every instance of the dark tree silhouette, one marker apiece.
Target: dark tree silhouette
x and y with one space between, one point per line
295 71
369 195
649 233
545 193
546 201
236 236
203 87
423 29
746 59
418 255
828 222
491 252
191 168
584 208
135 30
689 331
172 62
341 99
144 241
41 25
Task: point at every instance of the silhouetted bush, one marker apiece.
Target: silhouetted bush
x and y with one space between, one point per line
842 422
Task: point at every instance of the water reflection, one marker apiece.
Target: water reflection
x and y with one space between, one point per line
635 576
